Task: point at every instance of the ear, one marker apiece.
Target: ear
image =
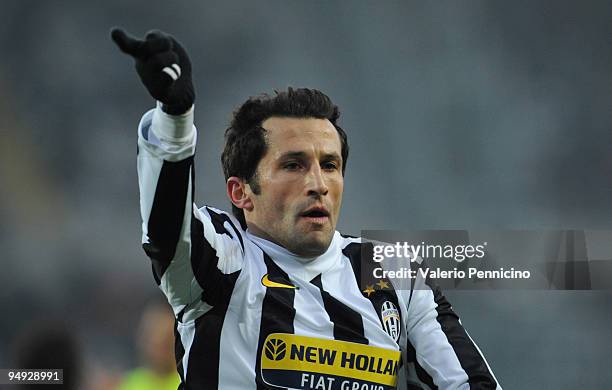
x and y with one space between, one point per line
236 191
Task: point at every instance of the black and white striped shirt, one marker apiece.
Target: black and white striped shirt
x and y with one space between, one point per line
251 315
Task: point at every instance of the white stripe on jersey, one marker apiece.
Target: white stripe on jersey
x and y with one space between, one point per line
187 333
237 347
310 320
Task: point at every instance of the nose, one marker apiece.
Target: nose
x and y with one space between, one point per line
316 185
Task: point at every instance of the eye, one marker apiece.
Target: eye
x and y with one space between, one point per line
330 166
291 166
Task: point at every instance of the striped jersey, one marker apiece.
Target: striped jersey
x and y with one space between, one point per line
252 315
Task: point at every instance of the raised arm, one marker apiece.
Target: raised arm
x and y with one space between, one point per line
196 253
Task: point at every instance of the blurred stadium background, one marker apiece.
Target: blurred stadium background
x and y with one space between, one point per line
473 114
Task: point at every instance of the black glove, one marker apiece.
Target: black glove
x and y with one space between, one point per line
163 66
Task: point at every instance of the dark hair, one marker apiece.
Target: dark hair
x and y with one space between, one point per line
245 143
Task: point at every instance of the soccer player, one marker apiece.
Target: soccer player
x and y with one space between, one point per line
269 297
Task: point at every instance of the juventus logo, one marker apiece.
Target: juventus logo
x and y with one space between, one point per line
391 320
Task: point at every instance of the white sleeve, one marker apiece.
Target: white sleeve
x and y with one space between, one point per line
196 254
446 357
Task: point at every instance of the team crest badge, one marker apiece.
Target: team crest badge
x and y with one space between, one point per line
391 320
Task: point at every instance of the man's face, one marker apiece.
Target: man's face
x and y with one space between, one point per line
301 183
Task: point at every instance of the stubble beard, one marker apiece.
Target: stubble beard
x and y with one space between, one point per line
309 244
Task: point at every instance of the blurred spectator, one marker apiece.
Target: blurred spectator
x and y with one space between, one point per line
156 346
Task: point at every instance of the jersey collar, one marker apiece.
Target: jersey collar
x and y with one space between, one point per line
305 268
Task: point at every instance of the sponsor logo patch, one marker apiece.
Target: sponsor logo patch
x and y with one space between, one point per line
301 362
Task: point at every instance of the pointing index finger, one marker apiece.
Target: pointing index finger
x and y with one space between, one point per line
126 42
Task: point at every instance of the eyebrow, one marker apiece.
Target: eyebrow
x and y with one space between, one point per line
302 155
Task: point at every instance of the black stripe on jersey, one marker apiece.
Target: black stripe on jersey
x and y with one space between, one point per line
277 313
167 211
363 267
179 352
348 324
470 359
204 354
353 252
218 220
217 287
180 314
157 279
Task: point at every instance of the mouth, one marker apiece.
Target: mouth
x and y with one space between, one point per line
318 215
